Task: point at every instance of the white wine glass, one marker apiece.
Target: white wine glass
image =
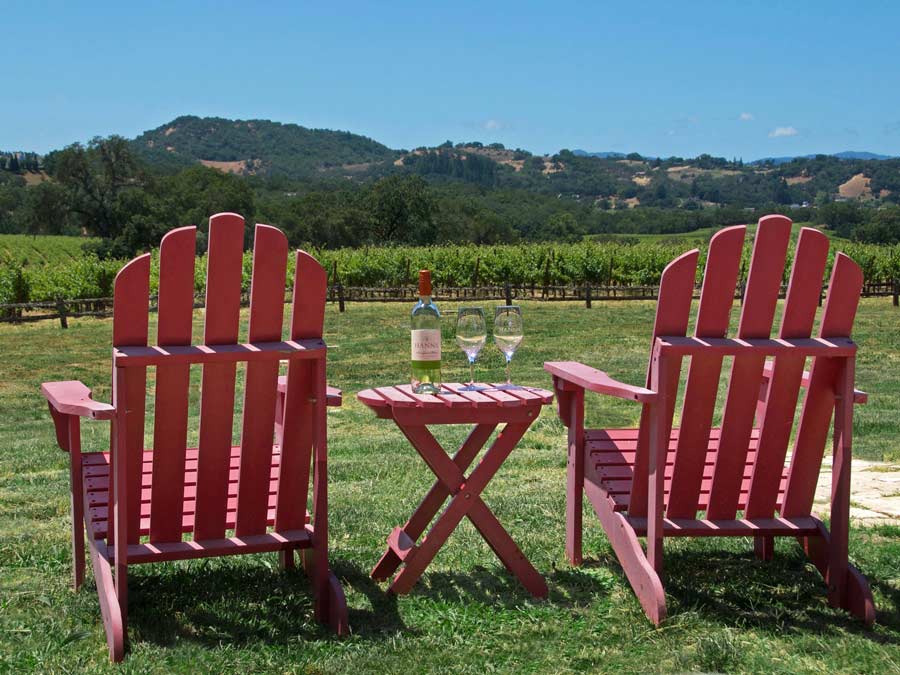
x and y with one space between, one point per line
471 334
508 332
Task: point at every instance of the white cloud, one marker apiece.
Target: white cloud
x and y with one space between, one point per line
745 117
493 125
779 132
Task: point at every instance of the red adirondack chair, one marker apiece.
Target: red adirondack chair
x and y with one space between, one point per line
654 480
138 504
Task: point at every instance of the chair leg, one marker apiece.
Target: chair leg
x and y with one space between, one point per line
644 580
764 547
110 606
77 499
575 479
857 596
331 603
574 505
286 559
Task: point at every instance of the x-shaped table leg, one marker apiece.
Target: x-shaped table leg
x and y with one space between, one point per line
466 502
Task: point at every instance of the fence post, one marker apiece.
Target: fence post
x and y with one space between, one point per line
895 291
340 290
508 293
61 308
587 295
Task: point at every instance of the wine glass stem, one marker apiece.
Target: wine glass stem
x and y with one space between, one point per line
471 371
508 379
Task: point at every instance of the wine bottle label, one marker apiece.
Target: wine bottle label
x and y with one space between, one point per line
426 344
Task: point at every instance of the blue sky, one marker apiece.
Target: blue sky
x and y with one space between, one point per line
745 79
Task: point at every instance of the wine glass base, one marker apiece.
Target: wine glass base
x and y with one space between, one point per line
473 387
507 387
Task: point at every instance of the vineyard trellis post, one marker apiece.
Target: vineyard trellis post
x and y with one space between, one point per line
587 295
507 292
61 308
895 292
340 292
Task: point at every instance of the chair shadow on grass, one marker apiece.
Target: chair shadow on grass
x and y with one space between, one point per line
496 587
784 594
219 602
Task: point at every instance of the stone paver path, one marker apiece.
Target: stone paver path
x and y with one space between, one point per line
874 495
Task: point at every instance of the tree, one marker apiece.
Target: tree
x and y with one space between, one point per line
401 210
97 180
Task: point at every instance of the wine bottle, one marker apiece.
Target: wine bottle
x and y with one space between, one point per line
426 340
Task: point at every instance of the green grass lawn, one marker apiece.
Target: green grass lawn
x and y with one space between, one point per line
728 611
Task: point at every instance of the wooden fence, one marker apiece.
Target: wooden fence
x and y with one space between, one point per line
65 309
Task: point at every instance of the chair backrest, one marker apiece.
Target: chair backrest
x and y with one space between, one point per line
213 489
740 467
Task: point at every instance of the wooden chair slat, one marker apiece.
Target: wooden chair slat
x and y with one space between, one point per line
176 300
131 301
837 320
676 290
763 284
301 398
260 390
217 390
716 300
784 384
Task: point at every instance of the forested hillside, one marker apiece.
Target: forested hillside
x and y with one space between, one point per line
336 189
256 146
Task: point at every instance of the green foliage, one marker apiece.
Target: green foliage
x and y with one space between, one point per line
618 262
268 148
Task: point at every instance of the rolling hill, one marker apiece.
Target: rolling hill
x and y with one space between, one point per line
256 147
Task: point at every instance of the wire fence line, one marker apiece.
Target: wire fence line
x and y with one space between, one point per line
63 309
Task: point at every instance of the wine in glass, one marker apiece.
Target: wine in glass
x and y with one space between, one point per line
508 332
471 333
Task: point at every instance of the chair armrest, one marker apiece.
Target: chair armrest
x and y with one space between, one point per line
858 396
74 398
578 375
333 395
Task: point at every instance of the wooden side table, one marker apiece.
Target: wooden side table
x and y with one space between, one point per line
516 409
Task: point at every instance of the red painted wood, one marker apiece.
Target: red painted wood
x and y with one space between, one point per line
676 289
643 578
223 304
187 550
76 487
690 527
815 418
131 300
253 352
266 317
411 414
716 299
784 385
584 377
763 284
176 302
74 398
751 460
301 399
859 396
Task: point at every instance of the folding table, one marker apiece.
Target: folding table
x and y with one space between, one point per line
516 409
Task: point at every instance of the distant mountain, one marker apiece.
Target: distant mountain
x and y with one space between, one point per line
256 147
847 154
852 154
601 155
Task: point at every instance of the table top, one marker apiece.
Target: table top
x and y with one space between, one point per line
453 397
